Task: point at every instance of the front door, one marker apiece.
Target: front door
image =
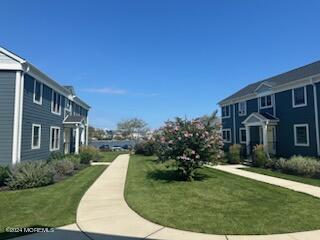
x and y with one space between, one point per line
272 139
66 136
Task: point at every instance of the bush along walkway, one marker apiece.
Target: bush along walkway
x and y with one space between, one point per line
296 186
104 214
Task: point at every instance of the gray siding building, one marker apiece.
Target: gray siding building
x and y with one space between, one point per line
38 116
281 112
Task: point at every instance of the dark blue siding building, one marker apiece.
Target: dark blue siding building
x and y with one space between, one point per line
38 116
281 112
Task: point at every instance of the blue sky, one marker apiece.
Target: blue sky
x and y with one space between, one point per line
157 59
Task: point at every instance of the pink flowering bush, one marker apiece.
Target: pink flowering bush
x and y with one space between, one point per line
190 144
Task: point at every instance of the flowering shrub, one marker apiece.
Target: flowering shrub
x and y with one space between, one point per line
190 143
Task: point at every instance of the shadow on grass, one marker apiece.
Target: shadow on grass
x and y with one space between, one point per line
172 175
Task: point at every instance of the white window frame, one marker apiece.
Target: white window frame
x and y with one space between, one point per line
32 136
295 126
34 92
244 112
228 130
294 105
240 135
228 116
268 106
59 135
52 103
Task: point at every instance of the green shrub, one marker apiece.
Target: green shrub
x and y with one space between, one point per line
4 174
234 154
30 174
147 148
63 167
55 156
259 157
75 159
303 166
88 154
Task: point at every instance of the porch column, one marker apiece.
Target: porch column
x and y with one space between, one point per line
265 138
82 135
248 139
77 140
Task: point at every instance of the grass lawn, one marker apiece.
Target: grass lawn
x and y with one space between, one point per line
269 172
218 202
110 156
49 206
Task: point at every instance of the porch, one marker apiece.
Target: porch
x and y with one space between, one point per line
261 129
75 134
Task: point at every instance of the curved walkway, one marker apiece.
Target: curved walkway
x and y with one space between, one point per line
104 214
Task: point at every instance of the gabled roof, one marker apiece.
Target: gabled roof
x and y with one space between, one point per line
278 80
15 62
258 118
73 119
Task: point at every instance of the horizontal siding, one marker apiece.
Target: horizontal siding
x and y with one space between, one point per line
38 114
7 95
4 59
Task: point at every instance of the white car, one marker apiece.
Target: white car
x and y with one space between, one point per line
116 148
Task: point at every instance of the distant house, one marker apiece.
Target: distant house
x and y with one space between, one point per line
281 112
38 116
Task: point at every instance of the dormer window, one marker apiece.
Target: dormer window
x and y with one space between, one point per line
266 101
225 111
242 108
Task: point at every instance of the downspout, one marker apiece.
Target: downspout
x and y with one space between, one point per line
315 101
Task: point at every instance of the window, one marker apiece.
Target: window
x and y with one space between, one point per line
242 108
301 135
266 101
55 103
226 135
54 138
225 111
242 135
36 136
299 97
67 109
37 92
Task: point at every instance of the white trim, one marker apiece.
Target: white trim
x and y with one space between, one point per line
244 113
240 136
316 116
234 124
280 88
17 120
52 104
294 105
87 132
50 144
267 106
11 55
295 135
261 84
228 130
34 92
32 136
228 116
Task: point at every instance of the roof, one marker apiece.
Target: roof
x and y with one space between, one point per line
23 65
256 117
73 119
281 79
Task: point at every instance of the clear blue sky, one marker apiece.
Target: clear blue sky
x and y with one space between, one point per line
157 59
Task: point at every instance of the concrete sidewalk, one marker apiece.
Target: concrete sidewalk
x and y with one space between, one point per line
104 214
296 186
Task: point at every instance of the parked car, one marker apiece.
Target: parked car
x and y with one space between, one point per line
127 147
104 148
117 148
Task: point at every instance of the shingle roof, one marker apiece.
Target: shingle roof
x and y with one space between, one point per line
73 119
295 74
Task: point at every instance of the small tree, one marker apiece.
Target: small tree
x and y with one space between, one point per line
190 143
130 126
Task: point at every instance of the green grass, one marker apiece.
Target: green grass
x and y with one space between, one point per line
110 156
217 203
49 206
269 172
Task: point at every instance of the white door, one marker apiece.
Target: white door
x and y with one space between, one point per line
272 139
66 137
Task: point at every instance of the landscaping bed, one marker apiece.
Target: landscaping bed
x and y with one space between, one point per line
50 206
216 202
274 173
